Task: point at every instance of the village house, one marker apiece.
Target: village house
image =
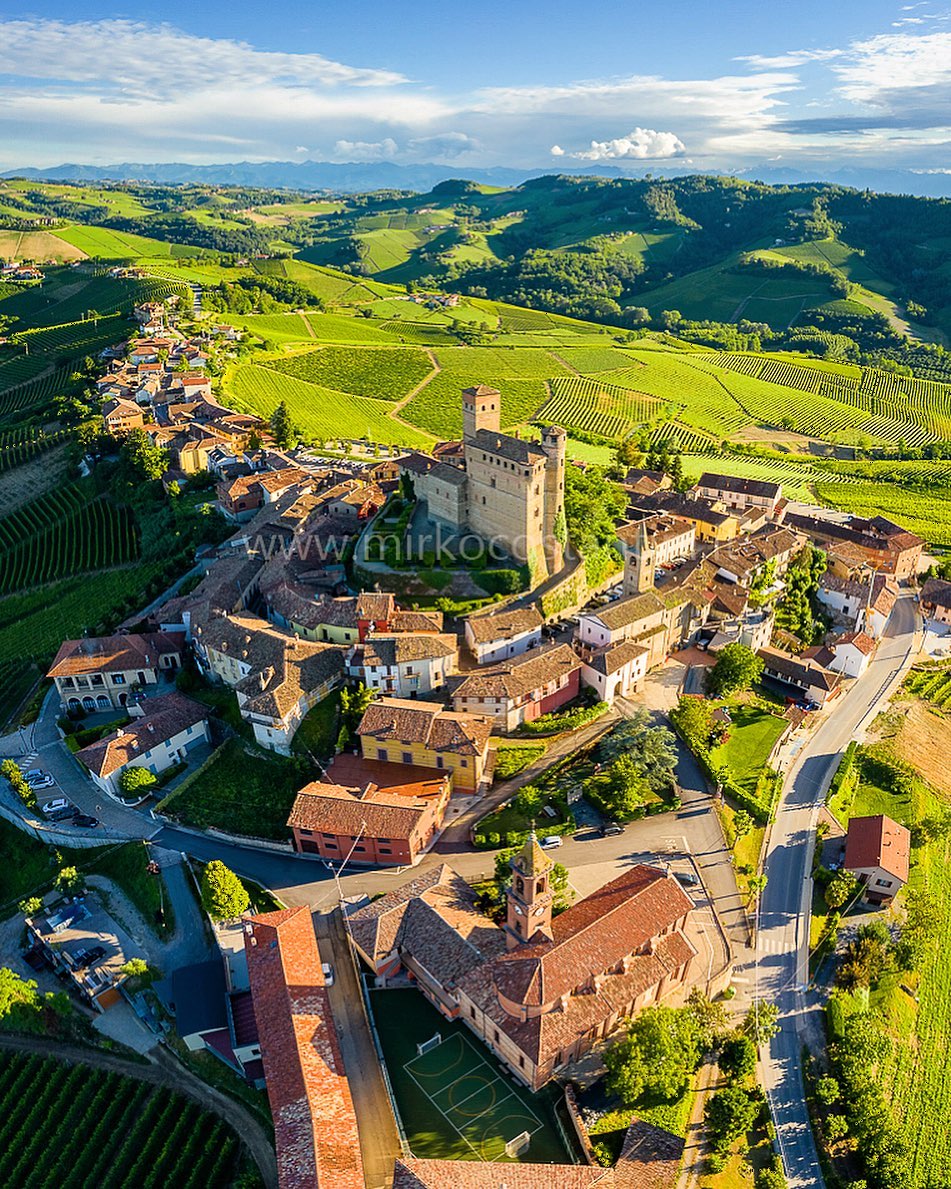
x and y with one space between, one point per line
638 481
765 553
163 732
615 670
522 689
877 853
106 672
541 990
736 493
369 811
851 653
315 1126
404 665
426 735
711 521
808 678
502 634
277 678
239 499
119 416
877 542
68 931
935 600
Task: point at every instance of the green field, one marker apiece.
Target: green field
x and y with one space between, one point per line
73 1126
320 413
381 374
926 513
120 245
751 737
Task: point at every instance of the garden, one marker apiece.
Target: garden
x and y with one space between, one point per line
240 790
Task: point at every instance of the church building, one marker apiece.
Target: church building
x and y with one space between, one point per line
541 989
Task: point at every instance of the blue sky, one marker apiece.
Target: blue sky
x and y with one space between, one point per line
523 84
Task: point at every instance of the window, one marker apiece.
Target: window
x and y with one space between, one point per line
118 679
385 850
302 831
439 762
496 1036
472 1012
883 883
381 753
465 763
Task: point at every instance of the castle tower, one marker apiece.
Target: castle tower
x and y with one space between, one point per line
481 409
528 911
639 562
554 443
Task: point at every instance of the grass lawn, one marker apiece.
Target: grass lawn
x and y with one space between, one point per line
317 733
751 738
240 791
491 1107
126 867
514 757
25 866
746 849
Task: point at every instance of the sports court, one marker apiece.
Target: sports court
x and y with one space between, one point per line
473 1097
453 1097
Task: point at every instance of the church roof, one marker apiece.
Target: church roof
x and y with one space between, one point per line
531 859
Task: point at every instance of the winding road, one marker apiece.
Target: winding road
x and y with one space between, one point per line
779 972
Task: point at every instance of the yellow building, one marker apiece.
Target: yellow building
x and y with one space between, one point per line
407 732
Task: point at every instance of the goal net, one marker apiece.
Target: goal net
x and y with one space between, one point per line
516 1146
426 1046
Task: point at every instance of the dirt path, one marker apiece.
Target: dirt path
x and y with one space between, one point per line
164 1070
695 1150
401 404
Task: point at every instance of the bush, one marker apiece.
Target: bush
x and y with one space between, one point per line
564 720
137 781
729 1113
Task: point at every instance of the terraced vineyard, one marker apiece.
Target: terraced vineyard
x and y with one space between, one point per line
897 407
602 409
72 1126
62 533
20 446
932 686
320 413
437 407
383 374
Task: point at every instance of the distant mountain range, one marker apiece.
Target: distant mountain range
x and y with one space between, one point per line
357 177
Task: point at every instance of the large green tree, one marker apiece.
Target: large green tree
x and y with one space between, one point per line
658 1055
141 458
737 668
223 895
285 433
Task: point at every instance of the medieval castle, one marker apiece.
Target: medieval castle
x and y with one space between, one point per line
507 490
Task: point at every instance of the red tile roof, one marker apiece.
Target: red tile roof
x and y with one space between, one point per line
314 1122
113 654
878 842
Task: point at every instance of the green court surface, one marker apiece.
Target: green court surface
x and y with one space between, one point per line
472 1096
455 1100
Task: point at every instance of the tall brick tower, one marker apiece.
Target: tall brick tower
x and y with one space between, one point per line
554 443
481 409
530 896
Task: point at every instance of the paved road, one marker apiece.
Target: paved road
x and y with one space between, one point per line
780 968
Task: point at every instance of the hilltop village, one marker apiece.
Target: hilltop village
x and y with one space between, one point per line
310 602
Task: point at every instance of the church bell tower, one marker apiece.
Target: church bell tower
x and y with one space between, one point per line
528 911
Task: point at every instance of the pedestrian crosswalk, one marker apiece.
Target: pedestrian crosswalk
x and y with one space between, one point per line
769 943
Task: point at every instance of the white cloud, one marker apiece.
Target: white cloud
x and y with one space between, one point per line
556 150
361 150
892 63
643 144
789 60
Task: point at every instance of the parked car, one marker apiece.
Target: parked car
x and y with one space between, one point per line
611 828
45 782
687 878
33 774
61 815
84 820
552 841
53 806
328 973
86 958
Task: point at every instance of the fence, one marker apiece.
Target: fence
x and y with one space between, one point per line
368 1012
574 1114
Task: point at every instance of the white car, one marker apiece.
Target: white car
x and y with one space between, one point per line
38 779
328 973
58 803
552 842
46 783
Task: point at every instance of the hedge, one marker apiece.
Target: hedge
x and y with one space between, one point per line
758 811
846 771
567 720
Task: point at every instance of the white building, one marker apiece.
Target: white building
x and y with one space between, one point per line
851 654
404 665
503 634
166 730
615 671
